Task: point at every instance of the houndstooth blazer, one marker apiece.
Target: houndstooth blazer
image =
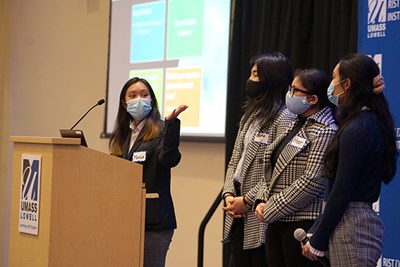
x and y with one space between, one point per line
294 189
252 173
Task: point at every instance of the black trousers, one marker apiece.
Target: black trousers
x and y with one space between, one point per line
245 257
282 249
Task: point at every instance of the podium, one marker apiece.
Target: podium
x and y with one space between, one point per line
91 207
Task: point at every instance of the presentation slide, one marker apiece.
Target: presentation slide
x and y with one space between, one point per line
181 47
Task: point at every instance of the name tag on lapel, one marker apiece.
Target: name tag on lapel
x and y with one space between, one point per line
298 141
139 156
261 138
152 195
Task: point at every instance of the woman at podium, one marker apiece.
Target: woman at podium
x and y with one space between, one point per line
141 136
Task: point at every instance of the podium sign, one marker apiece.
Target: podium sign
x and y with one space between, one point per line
29 202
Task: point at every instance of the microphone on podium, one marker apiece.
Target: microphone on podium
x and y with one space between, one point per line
99 103
301 236
71 133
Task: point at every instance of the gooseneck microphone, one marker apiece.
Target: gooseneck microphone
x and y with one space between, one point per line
100 102
301 236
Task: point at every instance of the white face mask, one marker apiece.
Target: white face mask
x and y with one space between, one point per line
297 104
139 108
334 99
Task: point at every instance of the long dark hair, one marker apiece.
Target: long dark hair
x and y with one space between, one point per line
276 73
316 81
361 70
121 130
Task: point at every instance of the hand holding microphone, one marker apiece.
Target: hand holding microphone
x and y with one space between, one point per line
301 236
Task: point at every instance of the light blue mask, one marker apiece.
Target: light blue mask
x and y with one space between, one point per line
139 108
334 99
297 104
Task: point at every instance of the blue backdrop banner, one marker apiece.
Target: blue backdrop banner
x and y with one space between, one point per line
379 37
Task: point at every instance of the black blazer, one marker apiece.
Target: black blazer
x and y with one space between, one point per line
161 154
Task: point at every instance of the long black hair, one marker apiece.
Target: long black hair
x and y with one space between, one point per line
121 130
361 70
275 72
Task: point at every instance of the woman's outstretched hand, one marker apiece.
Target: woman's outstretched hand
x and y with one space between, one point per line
175 113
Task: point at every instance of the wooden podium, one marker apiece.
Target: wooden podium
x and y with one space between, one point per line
91 207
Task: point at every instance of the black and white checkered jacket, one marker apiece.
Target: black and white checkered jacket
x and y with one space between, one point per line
294 189
253 172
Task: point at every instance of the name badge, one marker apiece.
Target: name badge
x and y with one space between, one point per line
298 141
152 195
139 156
261 138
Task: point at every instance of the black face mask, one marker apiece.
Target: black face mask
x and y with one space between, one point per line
254 89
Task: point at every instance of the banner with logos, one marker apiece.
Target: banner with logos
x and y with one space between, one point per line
379 37
29 194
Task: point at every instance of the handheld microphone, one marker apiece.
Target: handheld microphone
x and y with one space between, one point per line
301 236
100 102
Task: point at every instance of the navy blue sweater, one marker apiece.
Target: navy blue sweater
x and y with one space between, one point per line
358 177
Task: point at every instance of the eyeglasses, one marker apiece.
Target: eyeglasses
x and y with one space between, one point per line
293 89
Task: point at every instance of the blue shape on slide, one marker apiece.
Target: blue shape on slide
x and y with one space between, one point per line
148 32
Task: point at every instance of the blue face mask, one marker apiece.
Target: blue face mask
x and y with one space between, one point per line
297 104
139 108
334 99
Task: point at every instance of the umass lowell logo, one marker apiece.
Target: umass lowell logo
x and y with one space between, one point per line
30 180
29 194
377 11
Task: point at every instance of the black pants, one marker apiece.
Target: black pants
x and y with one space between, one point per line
282 249
245 257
